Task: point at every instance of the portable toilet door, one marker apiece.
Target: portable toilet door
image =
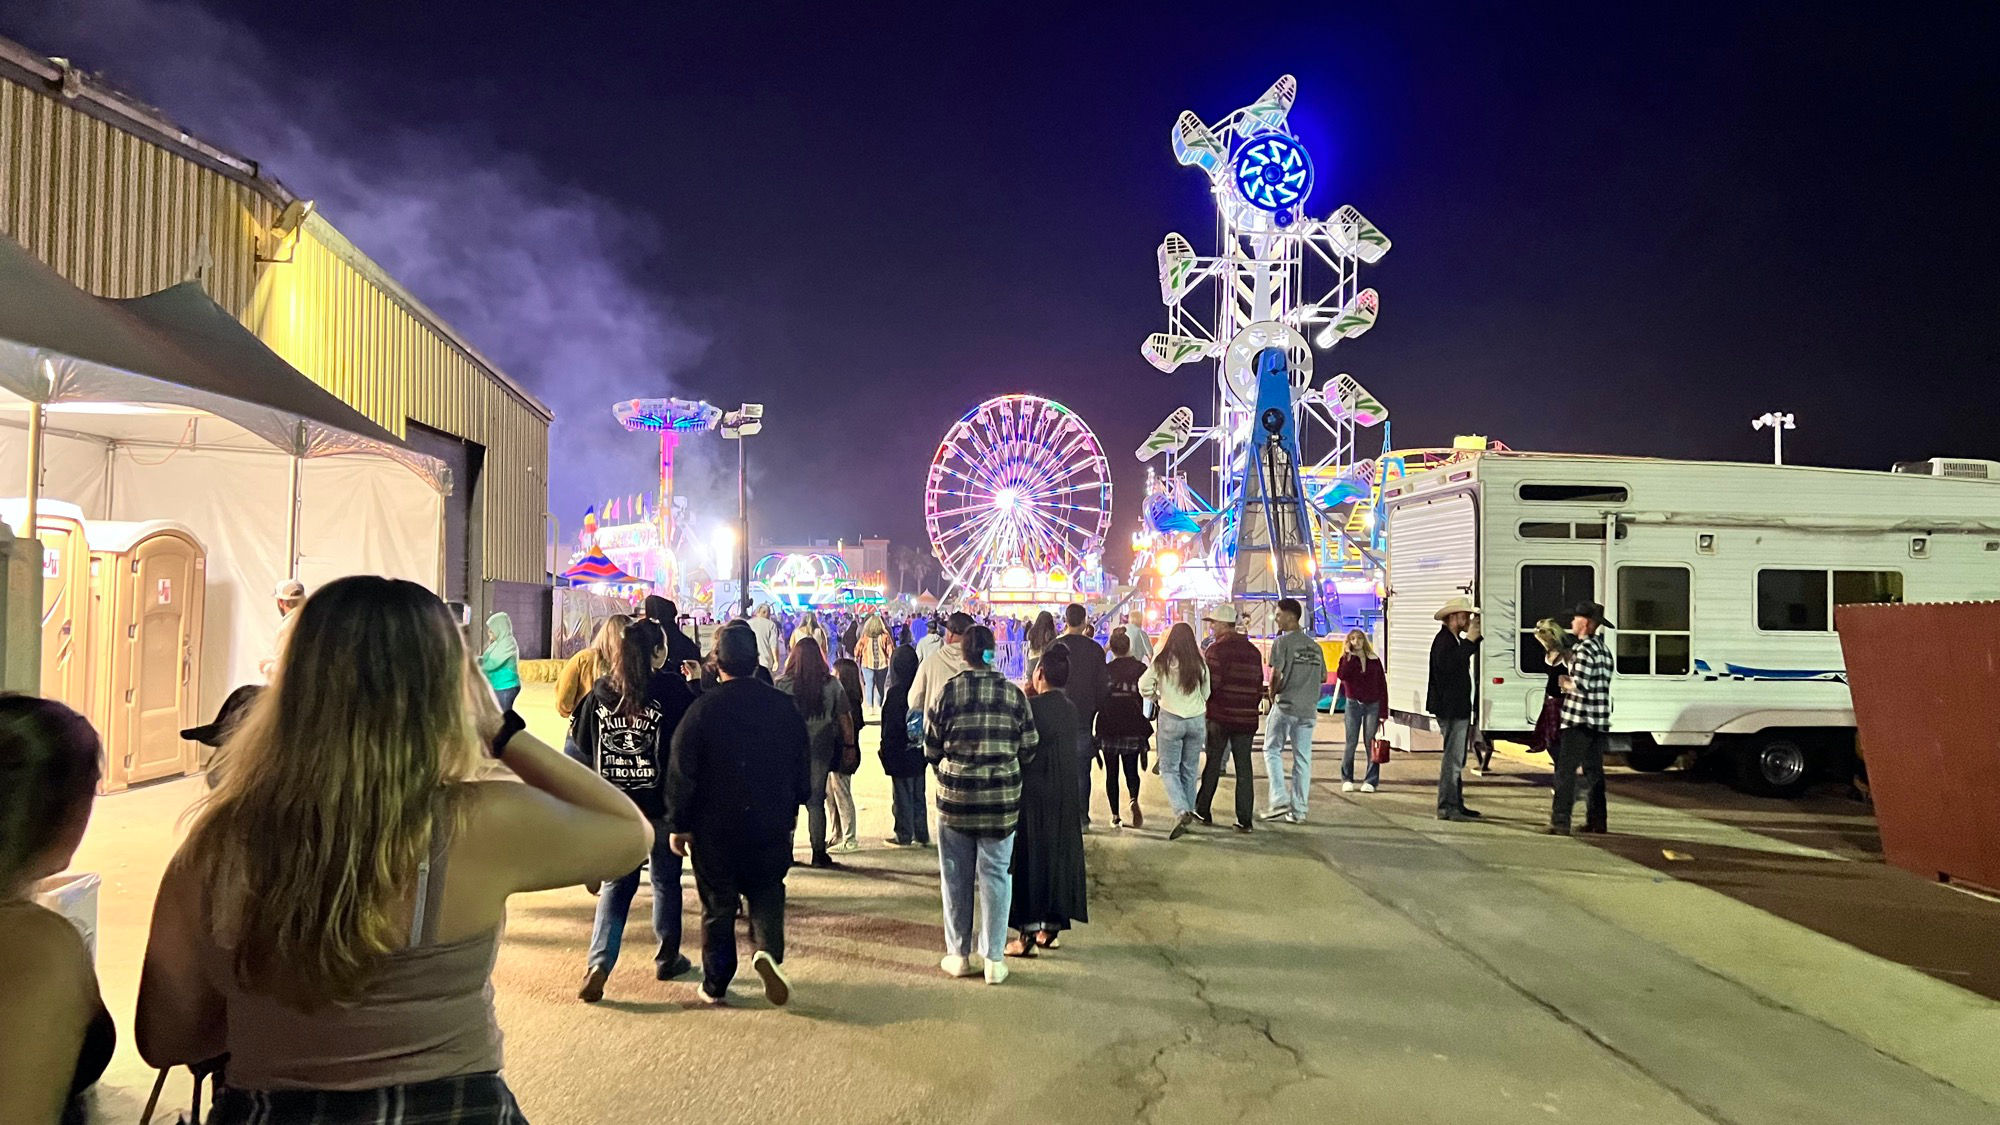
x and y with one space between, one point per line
148 581
65 598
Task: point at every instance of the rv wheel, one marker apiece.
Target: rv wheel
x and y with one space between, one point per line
1773 765
1652 759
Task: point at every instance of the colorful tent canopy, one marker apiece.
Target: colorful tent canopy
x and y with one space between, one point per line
596 567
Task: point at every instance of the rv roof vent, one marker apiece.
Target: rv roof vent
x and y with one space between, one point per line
1956 467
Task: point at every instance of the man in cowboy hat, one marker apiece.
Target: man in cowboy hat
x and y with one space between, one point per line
1450 699
1586 722
1235 697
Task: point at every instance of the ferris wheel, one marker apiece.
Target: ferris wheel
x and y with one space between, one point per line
1019 482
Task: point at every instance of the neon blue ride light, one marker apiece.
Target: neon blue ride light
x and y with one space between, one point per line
1273 173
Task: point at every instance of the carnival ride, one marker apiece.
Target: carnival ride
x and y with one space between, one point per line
1018 501
1278 276
671 418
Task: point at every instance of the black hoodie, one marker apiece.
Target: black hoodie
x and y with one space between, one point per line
630 751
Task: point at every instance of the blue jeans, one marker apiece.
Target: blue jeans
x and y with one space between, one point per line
1451 786
872 682
1179 743
614 901
1362 719
1284 729
906 798
975 867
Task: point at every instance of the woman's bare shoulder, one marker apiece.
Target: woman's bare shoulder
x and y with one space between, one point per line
46 957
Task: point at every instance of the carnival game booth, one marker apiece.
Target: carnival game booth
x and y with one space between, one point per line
163 413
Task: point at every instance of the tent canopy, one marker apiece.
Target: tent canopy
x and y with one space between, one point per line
174 348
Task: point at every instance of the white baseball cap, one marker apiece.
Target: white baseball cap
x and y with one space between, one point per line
288 589
1226 614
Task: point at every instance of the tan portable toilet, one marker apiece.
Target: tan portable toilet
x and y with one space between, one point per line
148 581
65 597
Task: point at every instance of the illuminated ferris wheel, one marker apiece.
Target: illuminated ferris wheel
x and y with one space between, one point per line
1019 485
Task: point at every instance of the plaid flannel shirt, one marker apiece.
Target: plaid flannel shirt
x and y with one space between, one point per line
978 733
1588 704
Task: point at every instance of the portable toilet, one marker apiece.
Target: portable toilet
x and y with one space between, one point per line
65 597
147 581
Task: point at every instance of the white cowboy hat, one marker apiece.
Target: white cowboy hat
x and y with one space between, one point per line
1226 614
1455 605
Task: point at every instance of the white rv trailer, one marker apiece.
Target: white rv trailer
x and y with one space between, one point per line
1720 578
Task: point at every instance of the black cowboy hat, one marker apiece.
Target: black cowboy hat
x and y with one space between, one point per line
226 719
1593 611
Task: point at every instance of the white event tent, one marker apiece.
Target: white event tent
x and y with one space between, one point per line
164 407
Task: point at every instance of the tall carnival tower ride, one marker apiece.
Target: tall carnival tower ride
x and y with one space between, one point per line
1268 496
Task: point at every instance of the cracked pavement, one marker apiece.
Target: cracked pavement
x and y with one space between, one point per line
1370 965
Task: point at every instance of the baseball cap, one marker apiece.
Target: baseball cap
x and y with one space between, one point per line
290 588
1226 614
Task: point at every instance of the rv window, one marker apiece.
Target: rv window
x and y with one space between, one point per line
1548 591
1867 587
1549 529
1655 614
1792 601
1576 493
1534 529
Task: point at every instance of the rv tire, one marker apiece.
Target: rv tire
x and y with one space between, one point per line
1648 758
1773 765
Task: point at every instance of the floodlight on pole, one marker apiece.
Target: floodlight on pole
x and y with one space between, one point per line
1778 424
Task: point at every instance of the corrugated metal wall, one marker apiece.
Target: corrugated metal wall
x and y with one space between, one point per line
121 215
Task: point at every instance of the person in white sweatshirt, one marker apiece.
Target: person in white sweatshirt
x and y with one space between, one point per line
1178 680
940 666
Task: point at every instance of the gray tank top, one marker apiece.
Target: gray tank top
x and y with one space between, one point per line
428 1014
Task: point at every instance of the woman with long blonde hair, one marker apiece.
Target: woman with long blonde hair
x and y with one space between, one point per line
1367 691
581 672
331 921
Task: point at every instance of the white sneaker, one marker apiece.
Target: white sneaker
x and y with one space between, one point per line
845 847
1347 787
715 999
1278 813
960 966
777 986
1367 788
1298 816
996 972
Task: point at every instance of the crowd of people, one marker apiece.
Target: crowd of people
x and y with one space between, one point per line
345 977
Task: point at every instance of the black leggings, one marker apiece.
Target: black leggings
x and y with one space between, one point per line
1131 765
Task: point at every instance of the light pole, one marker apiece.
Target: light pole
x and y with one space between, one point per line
1778 423
737 425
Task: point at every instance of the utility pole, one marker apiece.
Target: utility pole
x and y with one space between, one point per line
737 425
1778 424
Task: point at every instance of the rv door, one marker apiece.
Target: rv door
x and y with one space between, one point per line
1433 557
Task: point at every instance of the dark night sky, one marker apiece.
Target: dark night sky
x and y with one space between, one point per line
1622 231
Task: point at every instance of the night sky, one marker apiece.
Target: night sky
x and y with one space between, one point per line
1615 230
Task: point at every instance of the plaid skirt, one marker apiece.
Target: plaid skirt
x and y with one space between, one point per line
1114 748
465 1099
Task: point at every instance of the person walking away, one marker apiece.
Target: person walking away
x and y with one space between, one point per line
623 732
903 759
1298 673
1178 680
823 706
850 636
1122 727
55 1035
1236 671
766 631
937 669
1449 699
581 672
501 661
739 768
875 650
810 628
1041 634
351 968
933 638
1086 692
1142 645
1366 688
289 595
979 735
842 826
664 613
1555 640
1050 892
1586 723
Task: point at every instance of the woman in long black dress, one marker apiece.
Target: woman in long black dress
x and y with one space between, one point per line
1049 882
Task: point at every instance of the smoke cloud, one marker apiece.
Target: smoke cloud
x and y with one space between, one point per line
539 276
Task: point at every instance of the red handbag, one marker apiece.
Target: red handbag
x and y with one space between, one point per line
1379 753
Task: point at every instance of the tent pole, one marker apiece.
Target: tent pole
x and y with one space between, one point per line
292 524
37 415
